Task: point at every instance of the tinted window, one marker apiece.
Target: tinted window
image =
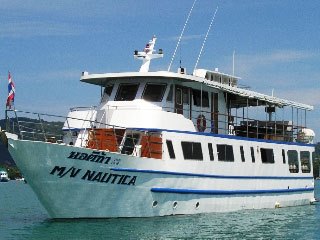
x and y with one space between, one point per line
305 161
169 97
267 155
108 90
252 154
130 142
170 149
154 92
197 98
192 150
185 95
225 152
210 151
127 92
283 156
242 154
293 161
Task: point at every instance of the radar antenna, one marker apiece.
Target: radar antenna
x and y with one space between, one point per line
147 54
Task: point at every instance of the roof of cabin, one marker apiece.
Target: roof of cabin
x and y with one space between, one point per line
239 97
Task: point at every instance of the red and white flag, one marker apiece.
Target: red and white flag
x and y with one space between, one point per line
11 92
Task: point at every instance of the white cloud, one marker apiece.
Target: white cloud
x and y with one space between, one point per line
185 38
36 28
309 96
249 62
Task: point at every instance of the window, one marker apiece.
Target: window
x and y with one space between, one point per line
242 154
185 96
179 96
267 155
154 92
170 149
107 93
127 92
305 161
283 156
293 161
210 151
197 98
192 150
108 90
225 152
129 143
169 97
252 154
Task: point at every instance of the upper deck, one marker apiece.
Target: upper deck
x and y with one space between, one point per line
205 101
213 79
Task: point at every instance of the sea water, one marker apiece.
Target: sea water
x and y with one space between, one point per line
22 217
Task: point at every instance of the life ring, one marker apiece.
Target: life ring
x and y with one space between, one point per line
201 123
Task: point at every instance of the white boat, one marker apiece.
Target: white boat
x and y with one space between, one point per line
4 176
165 143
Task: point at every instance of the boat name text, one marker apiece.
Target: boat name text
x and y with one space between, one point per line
98 157
94 176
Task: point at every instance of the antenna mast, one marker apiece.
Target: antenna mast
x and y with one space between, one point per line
204 41
185 24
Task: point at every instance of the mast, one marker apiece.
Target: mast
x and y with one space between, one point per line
147 54
205 39
178 43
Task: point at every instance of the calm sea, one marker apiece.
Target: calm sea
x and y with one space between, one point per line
22 217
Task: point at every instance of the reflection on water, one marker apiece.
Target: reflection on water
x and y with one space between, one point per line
289 223
26 219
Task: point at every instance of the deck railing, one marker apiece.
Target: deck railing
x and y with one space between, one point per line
36 126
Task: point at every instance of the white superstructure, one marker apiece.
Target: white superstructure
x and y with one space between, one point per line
163 143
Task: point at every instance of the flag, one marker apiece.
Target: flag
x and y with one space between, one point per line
11 92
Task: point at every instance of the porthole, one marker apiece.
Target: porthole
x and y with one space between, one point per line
197 205
175 205
154 203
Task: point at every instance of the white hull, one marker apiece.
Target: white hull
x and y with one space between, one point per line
117 185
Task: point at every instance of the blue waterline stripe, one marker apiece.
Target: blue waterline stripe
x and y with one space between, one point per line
229 192
203 175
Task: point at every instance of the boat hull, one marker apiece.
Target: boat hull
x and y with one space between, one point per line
73 182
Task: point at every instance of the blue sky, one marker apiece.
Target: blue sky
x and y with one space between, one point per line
47 44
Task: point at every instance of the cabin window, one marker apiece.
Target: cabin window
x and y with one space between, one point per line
210 151
197 98
225 152
185 97
154 92
192 150
242 154
107 93
283 156
169 97
170 149
179 96
129 143
305 161
127 92
293 161
267 155
252 154
108 90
